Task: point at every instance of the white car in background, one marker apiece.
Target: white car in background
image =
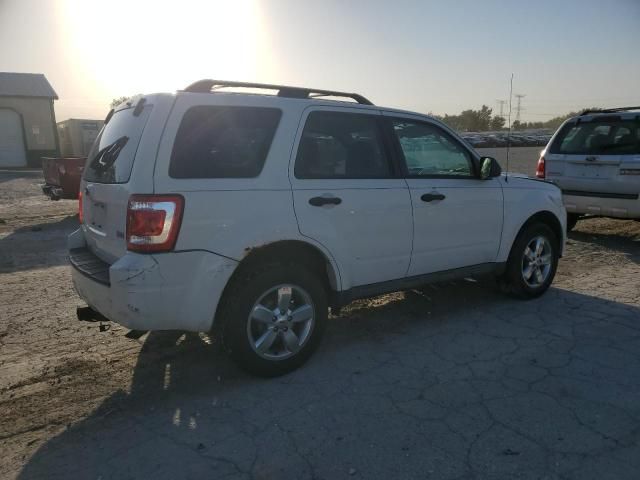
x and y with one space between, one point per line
253 214
595 159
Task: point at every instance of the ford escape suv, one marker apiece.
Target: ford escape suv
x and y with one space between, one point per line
253 213
595 159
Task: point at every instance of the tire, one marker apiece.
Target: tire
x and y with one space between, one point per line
572 219
513 281
242 332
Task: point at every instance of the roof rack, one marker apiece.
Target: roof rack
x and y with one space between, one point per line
208 86
608 110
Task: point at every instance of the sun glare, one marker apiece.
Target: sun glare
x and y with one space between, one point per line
126 47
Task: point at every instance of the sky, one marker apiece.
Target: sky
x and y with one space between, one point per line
426 56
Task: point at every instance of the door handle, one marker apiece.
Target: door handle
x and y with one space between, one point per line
320 201
430 197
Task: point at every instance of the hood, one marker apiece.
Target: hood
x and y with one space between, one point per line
520 180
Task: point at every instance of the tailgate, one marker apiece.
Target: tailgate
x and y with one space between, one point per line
106 184
595 173
598 154
105 212
50 171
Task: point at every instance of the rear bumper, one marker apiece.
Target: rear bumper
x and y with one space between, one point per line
171 291
601 205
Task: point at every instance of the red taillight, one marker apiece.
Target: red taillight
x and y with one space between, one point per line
540 169
80 215
153 222
146 223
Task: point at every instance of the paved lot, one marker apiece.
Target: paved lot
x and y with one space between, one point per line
452 382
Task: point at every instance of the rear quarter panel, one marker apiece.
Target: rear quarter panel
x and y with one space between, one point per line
232 216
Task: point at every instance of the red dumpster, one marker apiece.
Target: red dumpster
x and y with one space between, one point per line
62 176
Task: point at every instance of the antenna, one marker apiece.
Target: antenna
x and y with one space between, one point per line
506 175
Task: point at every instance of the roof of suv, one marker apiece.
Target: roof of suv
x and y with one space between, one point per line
624 112
208 86
313 96
608 110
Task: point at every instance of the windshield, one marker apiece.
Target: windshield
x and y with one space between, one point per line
599 137
111 157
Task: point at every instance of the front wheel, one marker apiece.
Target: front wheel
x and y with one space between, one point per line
532 263
274 318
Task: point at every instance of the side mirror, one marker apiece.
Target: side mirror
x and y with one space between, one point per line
489 168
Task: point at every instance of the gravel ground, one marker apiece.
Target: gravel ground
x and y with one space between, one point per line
452 382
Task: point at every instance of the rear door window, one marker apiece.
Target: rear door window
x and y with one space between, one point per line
341 145
599 137
111 157
223 142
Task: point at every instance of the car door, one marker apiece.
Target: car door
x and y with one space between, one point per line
457 217
347 194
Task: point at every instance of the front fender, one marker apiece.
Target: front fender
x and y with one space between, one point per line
523 198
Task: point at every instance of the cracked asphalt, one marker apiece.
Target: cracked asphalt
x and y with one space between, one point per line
454 381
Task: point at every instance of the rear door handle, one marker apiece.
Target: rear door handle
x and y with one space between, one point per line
320 201
430 197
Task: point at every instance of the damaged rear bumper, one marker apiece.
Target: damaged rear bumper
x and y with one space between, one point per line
171 291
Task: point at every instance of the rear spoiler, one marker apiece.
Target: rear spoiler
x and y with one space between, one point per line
136 111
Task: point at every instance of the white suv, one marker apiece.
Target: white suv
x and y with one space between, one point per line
595 159
254 213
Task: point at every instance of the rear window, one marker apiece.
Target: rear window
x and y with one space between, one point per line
111 157
223 142
599 137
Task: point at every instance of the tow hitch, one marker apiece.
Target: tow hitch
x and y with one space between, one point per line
88 314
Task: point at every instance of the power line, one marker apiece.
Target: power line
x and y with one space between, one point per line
519 106
501 104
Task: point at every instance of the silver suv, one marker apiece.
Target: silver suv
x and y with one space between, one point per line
595 159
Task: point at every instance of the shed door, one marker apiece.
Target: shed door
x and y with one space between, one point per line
12 152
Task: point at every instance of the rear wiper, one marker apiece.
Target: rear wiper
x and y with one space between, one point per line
106 157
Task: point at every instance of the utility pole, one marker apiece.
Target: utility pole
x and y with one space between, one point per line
501 104
519 106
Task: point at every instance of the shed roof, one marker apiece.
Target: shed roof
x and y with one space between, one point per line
25 85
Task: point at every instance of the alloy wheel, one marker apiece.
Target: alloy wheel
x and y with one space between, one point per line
281 322
537 261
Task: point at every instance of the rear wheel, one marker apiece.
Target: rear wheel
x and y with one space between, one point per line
572 220
532 263
274 317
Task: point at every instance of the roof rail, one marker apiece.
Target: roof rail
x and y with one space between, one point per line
608 110
208 86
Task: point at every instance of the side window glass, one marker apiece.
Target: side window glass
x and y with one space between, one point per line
341 145
223 142
428 151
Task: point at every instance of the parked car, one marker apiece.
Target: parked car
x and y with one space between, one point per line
595 159
253 214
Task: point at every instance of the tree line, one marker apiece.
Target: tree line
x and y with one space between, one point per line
483 120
